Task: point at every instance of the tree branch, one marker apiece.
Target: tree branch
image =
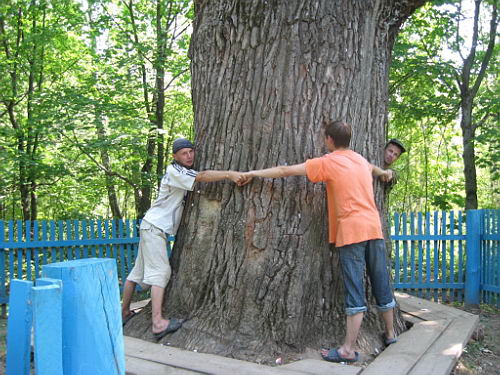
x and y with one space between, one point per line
457 35
99 165
167 86
469 60
489 50
482 121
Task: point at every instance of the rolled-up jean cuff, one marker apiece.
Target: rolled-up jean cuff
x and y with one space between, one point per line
355 310
387 307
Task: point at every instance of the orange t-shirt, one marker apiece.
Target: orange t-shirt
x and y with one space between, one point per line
352 214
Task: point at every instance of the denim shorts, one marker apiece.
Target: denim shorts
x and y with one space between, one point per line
354 259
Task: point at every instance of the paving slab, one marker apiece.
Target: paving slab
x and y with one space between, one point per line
400 358
322 367
432 346
443 354
436 339
144 358
137 366
198 362
427 310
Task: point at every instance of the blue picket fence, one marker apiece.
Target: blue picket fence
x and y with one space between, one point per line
26 246
448 256
490 258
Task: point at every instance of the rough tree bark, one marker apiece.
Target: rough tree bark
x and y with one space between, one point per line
252 267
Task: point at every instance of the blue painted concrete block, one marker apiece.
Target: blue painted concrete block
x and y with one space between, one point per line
47 321
92 332
19 328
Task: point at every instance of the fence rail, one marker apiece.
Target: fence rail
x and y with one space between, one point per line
448 256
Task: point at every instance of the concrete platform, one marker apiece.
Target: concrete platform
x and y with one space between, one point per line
432 346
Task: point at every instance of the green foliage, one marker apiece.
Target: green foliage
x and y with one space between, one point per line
424 113
98 60
94 67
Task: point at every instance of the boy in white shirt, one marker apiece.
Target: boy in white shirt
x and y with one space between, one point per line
152 268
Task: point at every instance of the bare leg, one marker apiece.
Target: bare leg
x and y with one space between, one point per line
352 329
159 323
128 292
353 323
388 318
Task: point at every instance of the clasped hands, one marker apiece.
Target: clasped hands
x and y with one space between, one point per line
242 178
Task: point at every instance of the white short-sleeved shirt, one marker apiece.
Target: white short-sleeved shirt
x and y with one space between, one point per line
166 211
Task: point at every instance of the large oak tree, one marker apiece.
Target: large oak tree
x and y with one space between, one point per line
252 267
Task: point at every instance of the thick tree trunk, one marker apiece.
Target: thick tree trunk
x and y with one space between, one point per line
252 266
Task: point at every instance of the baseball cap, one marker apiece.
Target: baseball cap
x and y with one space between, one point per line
398 143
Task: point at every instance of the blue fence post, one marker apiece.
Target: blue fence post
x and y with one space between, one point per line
19 328
47 322
473 264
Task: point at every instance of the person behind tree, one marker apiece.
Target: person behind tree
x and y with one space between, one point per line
152 268
392 151
354 229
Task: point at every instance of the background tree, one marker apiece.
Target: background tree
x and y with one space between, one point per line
254 270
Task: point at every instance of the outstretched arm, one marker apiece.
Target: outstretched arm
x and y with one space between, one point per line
212 176
384 175
275 172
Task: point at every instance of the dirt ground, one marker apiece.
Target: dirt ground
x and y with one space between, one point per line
480 357
482 354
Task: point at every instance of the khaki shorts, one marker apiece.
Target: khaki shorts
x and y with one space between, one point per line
151 265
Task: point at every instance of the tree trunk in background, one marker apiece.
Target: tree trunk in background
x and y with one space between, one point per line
469 82
99 122
24 58
160 91
469 155
252 266
105 160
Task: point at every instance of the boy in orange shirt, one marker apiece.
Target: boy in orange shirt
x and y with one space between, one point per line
354 228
